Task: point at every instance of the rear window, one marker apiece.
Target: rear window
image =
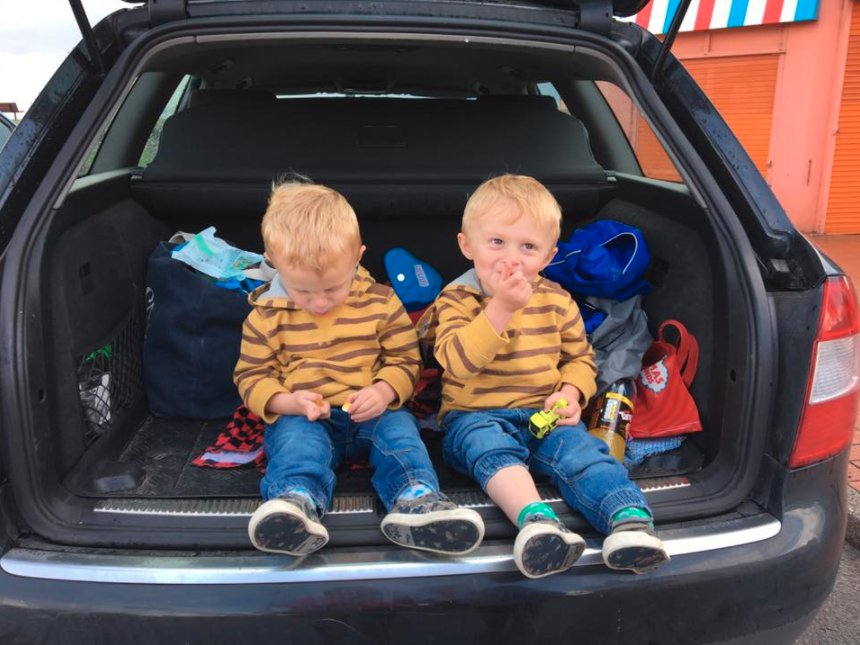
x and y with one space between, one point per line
151 147
652 157
5 133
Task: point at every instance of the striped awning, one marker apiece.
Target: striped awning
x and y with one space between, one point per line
718 14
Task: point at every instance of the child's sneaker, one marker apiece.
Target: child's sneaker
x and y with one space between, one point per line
432 522
288 524
633 544
545 546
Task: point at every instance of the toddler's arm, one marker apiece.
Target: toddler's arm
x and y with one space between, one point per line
466 342
256 373
400 357
577 366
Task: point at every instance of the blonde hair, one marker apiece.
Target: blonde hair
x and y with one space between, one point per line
528 195
309 225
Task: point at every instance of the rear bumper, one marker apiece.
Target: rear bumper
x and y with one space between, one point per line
730 580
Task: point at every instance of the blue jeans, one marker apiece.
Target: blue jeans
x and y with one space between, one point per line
304 454
480 444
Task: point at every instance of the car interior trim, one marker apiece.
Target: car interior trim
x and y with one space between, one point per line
341 504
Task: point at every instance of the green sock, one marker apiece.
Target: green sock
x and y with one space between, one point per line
535 508
632 513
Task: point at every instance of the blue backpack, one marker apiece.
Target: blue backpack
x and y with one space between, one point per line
605 259
415 282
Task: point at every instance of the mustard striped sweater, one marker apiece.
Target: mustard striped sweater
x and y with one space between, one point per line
366 339
544 347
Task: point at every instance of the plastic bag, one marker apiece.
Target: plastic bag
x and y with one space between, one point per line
214 257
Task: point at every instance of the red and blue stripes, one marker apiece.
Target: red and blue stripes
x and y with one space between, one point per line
718 14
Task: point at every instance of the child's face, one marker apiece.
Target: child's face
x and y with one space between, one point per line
315 293
500 238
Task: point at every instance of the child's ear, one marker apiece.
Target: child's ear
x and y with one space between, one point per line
361 251
549 258
465 249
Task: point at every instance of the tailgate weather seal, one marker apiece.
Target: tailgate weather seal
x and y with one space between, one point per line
341 564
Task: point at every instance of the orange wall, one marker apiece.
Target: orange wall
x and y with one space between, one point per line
806 102
843 214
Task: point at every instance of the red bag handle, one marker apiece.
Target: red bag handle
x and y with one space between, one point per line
687 348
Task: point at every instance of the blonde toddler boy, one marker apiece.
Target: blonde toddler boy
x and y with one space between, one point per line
510 343
322 339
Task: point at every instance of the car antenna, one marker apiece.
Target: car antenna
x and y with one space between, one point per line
88 36
669 39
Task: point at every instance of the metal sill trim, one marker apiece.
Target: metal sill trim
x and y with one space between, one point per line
341 564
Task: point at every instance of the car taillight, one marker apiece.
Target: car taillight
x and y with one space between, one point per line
833 389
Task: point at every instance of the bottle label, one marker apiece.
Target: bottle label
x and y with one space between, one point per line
610 421
620 397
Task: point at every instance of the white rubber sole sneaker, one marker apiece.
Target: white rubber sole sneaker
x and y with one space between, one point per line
279 526
455 531
542 548
636 551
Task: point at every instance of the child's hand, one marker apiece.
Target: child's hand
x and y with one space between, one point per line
324 409
300 403
371 401
511 288
570 414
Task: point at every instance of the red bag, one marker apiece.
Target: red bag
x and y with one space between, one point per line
664 407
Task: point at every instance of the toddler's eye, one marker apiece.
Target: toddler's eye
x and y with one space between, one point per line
529 246
496 241
345 285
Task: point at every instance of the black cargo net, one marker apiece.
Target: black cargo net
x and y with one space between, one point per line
110 378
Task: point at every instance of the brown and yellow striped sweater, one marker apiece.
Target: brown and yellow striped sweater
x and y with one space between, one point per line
543 348
366 339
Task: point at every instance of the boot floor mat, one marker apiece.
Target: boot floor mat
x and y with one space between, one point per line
158 463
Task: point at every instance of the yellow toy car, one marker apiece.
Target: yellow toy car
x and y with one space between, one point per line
543 422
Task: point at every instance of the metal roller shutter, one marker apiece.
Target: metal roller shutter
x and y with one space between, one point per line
742 88
843 204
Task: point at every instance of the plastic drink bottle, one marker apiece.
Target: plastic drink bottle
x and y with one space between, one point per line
612 414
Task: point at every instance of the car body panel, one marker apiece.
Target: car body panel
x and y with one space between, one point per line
759 590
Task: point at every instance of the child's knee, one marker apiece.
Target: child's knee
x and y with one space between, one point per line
488 466
296 439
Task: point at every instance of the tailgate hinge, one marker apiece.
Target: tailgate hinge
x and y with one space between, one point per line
595 16
164 11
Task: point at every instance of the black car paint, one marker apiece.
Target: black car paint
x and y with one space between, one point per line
43 131
770 589
59 521
761 593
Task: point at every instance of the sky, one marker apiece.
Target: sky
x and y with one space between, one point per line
35 38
